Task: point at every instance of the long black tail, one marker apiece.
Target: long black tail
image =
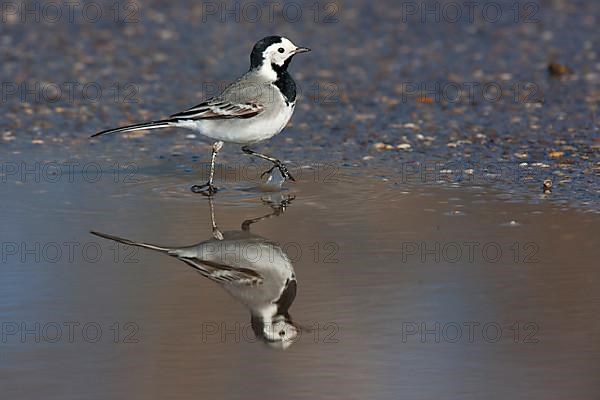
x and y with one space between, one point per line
139 127
130 242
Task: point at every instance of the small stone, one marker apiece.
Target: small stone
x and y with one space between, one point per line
425 100
166 34
404 146
547 35
160 57
364 117
457 213
556 69
556 154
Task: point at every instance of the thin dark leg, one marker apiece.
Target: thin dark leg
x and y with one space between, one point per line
276 163
278 209
208 188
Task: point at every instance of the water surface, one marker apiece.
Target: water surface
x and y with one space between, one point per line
402 291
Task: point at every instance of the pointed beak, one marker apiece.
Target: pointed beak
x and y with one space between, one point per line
301 50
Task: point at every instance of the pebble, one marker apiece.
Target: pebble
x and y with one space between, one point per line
556 69
512 223
556 154
382 146
455 213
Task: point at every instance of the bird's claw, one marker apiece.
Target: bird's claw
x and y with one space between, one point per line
208 189
283 169
217 234
280 206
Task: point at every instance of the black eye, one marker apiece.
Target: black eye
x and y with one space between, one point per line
281 50
281 333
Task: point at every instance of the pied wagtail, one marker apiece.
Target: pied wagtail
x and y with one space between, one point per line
253 269
254 108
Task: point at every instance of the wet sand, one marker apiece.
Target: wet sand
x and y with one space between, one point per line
430 262
468 94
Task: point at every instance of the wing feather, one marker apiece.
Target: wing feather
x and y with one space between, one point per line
223 273
220 109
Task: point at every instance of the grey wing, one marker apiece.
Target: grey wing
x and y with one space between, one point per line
220 109
241 99
223 273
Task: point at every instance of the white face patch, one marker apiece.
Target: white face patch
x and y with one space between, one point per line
281 331
278 53
275 58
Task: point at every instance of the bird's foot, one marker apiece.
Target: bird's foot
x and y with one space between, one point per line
282 168
208 189
279 206
217 234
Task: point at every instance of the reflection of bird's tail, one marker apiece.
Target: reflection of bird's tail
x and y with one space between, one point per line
139 127
130 242
213 270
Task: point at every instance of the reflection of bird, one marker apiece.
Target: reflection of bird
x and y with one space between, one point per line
254 108
253 269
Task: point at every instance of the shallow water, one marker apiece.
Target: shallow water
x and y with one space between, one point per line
403 290
429 261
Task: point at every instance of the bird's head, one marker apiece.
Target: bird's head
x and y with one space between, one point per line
279 332
273 55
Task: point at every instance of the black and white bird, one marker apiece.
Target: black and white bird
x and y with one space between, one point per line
254 108
253 269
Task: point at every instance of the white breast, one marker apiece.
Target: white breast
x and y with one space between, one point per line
275 125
